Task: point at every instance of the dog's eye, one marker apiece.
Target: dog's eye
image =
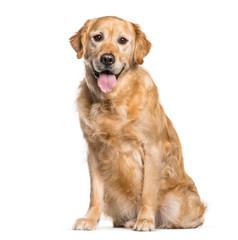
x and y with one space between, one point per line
98 38
123 40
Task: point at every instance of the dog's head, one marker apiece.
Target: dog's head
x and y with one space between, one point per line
110 46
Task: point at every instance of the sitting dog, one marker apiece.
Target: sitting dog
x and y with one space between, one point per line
134 154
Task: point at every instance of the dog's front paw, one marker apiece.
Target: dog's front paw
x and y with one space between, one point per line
144 225
85 224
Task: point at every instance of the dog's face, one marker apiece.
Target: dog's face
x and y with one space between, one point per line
110 46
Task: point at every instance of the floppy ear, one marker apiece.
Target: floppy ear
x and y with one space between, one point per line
78 41
142 45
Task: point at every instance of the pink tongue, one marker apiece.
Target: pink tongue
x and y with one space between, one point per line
107 82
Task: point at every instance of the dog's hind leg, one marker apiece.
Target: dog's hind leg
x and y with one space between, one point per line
181 208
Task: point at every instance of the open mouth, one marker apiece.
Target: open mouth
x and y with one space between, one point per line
107 72
106 79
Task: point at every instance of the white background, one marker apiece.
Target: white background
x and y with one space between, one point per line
44 183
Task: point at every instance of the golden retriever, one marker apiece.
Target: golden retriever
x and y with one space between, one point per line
134 154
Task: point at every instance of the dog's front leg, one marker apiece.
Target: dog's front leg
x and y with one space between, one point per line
92 217
149 202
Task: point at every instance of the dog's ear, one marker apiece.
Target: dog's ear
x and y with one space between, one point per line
78 41
142 45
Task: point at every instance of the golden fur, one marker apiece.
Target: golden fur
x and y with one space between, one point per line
134 153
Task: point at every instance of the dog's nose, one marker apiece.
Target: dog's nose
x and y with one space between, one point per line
107 59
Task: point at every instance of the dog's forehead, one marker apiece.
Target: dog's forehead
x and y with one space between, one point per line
112 25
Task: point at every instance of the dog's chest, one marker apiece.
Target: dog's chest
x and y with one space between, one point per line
119 151
107 124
